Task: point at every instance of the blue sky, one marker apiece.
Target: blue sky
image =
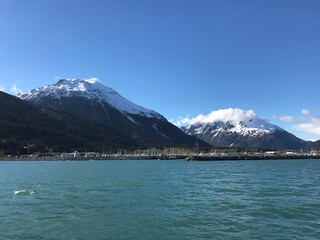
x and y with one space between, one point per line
180 58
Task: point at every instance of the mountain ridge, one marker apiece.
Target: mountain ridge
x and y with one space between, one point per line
91 100
27 128
90 89
95 102
242 129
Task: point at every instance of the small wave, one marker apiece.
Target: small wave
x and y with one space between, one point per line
23 192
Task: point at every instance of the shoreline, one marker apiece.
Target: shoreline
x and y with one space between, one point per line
166 158
100 158
251 158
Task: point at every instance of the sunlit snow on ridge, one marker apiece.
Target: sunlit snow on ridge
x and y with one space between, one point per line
92 80
93 90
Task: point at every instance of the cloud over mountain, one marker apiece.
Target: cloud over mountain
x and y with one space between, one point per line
224 115
15 90
234 127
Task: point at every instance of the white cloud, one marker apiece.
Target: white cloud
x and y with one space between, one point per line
2 88
224 115
290 119
307 123
92 80
306 112
181 121
312 126
14 90
287 118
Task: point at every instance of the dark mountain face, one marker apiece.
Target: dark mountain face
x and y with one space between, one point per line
239 135
25 127
97 103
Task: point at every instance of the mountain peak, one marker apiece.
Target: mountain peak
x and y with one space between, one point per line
234 127
90 100
92 90
80 85
234 119
77 81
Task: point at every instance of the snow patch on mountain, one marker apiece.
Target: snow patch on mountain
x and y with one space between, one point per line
157 130
91 89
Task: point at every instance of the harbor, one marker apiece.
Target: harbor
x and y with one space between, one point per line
168 154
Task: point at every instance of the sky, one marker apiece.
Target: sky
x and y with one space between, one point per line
181 58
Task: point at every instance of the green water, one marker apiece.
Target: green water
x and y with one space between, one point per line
160 200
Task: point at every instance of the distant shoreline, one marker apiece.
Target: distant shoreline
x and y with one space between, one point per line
100 158
252 158
174 157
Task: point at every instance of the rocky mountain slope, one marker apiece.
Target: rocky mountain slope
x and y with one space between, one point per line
27 128
93 101
243 131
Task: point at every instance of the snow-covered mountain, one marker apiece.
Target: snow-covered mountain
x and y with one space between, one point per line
93 101
92 90
242 129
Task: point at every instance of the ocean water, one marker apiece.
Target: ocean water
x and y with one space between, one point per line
277 199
